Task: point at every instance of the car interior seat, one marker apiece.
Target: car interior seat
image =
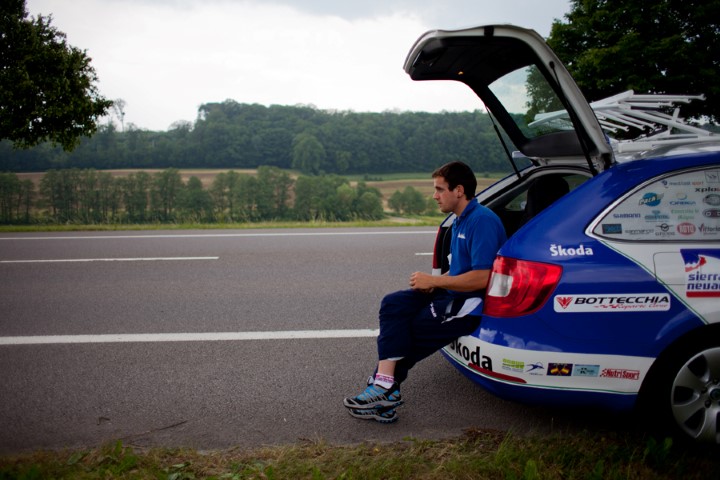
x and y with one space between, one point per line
543 191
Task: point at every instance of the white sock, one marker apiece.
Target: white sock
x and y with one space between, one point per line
385 381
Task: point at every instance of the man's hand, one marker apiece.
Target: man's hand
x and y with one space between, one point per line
471 281
422 281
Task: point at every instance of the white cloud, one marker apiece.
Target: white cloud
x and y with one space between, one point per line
167 57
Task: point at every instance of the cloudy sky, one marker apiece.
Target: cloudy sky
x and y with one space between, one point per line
165 58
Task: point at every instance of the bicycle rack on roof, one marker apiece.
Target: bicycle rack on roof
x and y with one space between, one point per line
645 112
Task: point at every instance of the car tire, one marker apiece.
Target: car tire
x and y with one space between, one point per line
684 389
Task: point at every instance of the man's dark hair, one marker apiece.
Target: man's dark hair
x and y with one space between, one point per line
457 173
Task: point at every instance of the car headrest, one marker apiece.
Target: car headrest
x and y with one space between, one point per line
543 192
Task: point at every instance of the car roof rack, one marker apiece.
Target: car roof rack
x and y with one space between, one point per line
645 112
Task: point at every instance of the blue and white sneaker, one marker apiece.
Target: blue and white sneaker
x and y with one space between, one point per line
374 397
379 414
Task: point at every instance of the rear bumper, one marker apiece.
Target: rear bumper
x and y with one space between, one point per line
550 377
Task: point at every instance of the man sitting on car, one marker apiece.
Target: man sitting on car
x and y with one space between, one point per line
436 309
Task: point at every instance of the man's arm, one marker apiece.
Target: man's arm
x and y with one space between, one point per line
466 282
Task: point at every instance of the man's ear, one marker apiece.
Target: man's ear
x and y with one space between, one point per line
461 191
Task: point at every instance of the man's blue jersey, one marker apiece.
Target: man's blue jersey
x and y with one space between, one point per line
477 235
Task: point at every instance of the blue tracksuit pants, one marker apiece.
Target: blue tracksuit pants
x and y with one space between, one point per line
412 326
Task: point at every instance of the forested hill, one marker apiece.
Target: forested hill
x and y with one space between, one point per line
233 135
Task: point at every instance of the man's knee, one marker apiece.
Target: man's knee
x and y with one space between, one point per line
401 296
404 299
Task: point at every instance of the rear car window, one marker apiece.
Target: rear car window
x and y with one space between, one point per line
681 207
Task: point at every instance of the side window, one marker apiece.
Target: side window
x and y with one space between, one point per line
533 197
519 202
680 207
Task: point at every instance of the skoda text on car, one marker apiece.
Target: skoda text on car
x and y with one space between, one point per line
607 292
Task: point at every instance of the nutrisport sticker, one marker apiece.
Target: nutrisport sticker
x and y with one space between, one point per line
702 270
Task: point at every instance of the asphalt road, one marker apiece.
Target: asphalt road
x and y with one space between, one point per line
215 339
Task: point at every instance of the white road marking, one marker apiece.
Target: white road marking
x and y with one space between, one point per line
140 259
223 235
190 337
423 254
186 337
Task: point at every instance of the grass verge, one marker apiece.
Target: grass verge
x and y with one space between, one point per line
413 221
478 454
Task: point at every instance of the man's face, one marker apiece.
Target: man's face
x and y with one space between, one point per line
446 199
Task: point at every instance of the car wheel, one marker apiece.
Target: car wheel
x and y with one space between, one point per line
681 393
695 394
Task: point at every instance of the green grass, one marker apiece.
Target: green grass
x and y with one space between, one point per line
479 454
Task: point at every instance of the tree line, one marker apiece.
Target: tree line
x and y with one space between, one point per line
231 135
88 196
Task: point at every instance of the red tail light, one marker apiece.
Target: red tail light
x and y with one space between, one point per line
519 287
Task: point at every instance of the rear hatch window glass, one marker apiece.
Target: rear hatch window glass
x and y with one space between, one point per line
529 100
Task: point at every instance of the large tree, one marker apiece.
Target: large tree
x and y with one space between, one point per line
308 154
47 87
650 46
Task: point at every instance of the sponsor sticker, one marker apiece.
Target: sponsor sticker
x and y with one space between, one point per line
620 373
612 228
684 213
702 270
628 302
686 228
657 216
586 370
709 229
681 199
651 199
712 199
639 231
536 368
513 365
560 369
664 230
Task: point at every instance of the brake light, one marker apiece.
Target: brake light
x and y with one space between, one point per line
519 287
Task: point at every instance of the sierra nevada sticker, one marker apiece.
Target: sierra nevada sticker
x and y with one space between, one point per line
702 268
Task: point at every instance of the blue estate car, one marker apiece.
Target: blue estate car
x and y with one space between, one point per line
607 292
